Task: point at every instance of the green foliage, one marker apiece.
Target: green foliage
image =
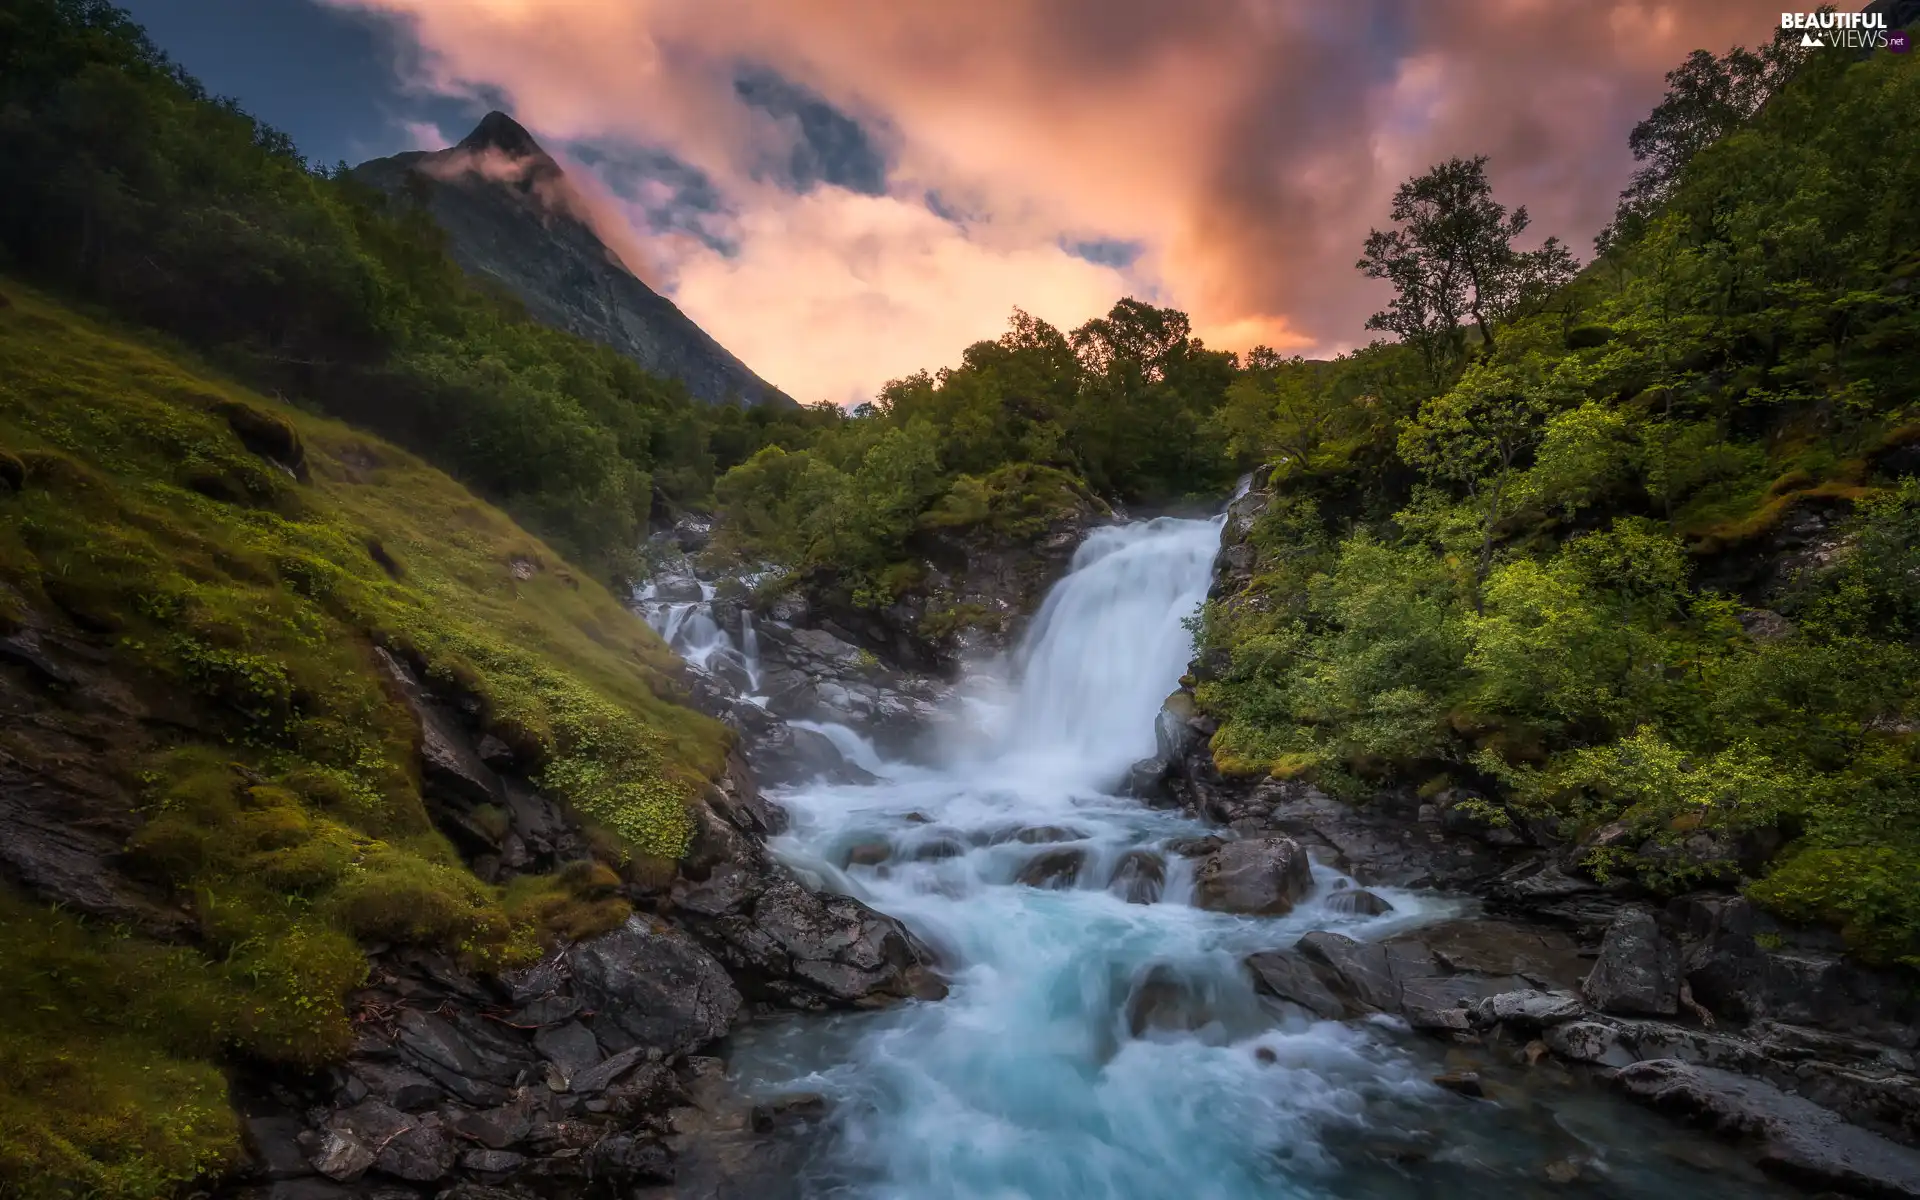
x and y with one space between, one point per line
1532 571
109 1092
577 901
1029 429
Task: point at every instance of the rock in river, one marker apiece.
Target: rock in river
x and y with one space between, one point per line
1254 876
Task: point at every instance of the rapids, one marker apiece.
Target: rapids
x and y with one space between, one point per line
1095 1048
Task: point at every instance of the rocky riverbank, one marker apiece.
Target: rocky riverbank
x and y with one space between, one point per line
1697 1005
583 1074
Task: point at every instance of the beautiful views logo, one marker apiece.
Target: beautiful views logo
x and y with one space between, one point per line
1850 30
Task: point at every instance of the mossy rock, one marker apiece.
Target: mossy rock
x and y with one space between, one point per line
267 434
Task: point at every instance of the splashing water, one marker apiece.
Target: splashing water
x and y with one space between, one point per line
1095 1048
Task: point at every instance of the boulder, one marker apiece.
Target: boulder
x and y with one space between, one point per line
1165 1000
1146 779
650 985
1139 878
1527 1009
1056 869
1357 902
804 949
1255 876
1792 1138
1290 976
1638 971
1366 972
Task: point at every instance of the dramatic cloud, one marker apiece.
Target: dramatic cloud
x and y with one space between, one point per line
889 179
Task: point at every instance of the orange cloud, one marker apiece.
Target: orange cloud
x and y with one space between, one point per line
1247 145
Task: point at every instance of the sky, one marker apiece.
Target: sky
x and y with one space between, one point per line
846 191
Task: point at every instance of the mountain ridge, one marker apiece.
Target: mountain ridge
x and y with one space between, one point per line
513 217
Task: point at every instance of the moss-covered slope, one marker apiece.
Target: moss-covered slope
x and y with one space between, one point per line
196 587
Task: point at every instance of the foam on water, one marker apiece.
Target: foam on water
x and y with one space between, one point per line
1046 1073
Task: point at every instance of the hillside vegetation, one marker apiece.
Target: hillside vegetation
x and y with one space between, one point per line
234 563
126 183
1640 557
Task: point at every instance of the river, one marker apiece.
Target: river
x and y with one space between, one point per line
1096 1048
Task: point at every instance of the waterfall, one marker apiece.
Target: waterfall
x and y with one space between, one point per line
1093 1048
1107 646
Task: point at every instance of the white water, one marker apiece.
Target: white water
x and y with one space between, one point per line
1027 1081
689 627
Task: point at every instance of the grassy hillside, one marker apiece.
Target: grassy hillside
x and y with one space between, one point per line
1644 567
232 563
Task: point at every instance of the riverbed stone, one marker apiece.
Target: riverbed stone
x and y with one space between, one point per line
1139 877
1056 869
1357 902
1638 971
1254 877
1792 1138
1291 976
652 986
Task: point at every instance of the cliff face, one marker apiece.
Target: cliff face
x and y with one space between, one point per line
511 216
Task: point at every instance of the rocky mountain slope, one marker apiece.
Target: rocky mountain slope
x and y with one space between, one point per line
511 216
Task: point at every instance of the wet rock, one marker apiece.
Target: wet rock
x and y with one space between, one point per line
1255 877
1056 869
571 1047
1545 957
496 1128
1730 973
868 854
1139 878
1446 1003
1593 1042
1195 847
813 951
421 1153
785 754
1147 778
404 1089
1357 902
1528 1009
677 589
654 987
340 1156
1638 970
937 849
600 1076
1365 970
1165 1000
1290 976
1793 1138
1464 1083
1038 835
492 1162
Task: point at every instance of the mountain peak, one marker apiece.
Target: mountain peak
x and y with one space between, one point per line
498 131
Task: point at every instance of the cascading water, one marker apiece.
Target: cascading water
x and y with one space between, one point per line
1093 1047
1106 647
692 629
